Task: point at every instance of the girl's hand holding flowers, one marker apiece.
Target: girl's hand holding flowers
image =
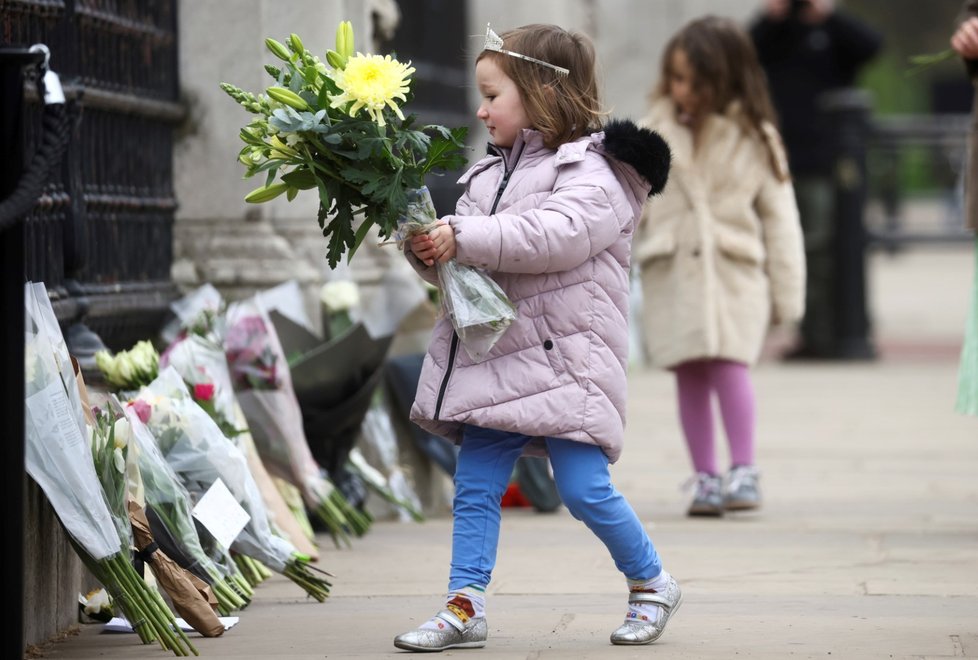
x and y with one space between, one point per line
437 245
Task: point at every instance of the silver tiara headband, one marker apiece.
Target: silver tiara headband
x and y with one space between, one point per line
495 43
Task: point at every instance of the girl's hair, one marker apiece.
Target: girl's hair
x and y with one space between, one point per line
562 108
726 69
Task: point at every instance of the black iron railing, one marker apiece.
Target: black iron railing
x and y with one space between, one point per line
100 236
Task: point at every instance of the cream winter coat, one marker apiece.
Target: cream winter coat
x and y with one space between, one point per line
721 248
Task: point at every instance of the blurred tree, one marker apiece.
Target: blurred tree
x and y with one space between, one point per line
912 27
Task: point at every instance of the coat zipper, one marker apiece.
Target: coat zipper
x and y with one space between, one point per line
453 350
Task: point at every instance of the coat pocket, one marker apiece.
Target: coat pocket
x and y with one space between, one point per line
740 247
551 345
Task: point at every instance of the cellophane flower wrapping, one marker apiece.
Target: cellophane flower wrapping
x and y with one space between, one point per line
379 441
58 456
199 454
264 388
165 493
201 312
57 447
478 308
109 439
203 366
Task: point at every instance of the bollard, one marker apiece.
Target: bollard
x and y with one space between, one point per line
12 63
848 111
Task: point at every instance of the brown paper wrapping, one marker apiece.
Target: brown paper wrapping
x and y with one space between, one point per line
192 597
83 392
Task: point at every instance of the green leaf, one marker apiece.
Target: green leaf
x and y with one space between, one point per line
339 232
301 179
358 237
447 152
291 193
269 164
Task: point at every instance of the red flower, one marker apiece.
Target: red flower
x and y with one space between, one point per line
143 410
204 391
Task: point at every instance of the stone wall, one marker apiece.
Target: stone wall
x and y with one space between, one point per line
53 574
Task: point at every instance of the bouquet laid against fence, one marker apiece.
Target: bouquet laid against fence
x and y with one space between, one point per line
170 508
59 457
337 127
264 389
200 455
203 366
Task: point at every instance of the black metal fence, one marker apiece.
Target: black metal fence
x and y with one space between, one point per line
101 235
916 168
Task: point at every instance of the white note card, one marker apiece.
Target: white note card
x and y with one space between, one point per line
221 514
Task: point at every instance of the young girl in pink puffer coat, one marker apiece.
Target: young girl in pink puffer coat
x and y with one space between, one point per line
549 215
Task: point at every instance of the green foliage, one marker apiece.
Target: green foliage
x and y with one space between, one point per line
303 138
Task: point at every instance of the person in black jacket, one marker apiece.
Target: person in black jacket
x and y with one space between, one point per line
807 48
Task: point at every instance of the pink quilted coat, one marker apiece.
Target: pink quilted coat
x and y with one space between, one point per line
554 229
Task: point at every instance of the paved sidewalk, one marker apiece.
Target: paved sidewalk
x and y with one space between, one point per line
867 546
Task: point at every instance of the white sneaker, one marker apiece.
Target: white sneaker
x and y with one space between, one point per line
740 490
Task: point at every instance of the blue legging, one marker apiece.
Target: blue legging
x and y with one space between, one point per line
485 464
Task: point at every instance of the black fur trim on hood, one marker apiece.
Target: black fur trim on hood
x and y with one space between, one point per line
641 148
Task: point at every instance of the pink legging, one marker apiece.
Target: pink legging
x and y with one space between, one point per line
696 381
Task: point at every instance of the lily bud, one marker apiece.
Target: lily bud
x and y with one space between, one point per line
267 193
281 149
335 60
278 50
288 97
344 39
296 44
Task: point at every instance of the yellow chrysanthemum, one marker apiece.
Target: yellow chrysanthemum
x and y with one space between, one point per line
372 82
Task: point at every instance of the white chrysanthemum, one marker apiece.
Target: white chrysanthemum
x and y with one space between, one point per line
372 82
340 295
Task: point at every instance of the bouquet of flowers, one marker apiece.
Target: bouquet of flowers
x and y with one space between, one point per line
478 308
337 127
199 454
129 370
264 389
171 505
59 459
203 366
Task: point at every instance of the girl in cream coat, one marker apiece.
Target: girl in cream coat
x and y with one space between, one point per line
720 251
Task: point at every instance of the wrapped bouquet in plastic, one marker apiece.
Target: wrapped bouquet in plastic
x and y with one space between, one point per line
200 454
170 514
58 456
479 309
264 388
202 365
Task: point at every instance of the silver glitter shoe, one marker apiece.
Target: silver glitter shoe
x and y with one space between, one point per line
708 500
635 632
740 490
454 634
